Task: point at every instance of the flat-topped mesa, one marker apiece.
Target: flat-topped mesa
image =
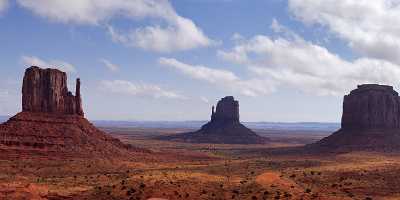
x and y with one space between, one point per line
371 106
227 110
46 91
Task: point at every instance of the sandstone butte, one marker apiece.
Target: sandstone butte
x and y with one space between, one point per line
224 127
370 121
52 122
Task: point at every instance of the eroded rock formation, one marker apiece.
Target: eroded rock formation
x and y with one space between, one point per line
224 127
371 106
52 122
370 121
45 91
227 111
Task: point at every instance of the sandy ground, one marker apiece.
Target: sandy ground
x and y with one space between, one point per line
205 171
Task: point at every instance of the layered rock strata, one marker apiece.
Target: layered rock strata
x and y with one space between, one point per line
45 91
52 123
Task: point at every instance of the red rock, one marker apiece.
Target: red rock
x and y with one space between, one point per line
370 121
45 91
52 122
224 127
371 106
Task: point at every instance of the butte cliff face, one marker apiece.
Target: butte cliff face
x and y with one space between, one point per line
227 111
371 106
370 121
224 127
45 91
52 123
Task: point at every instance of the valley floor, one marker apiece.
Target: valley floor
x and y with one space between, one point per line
205 171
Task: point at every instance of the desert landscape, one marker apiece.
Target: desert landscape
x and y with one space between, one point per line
199 100
50 151
175 170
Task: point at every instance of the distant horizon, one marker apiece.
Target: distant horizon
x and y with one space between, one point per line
205 120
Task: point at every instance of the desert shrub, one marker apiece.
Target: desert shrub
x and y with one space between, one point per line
287 195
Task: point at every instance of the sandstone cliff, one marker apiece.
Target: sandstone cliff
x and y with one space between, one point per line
52 122
45 91
224 127
370 121
371 106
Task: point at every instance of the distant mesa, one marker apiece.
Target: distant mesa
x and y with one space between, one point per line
52 121
370 121
224 127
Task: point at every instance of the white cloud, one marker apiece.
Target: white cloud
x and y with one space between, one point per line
200 72
111 66
58 64
294 62
3 5
172 33
138 89
205 100
371 27
221 78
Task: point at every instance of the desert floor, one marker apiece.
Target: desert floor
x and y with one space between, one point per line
206 171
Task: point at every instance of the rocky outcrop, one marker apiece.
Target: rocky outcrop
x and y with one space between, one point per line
370 121
45 91
371 106
52 122
224 127
227 111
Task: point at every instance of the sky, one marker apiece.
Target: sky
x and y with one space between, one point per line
284 60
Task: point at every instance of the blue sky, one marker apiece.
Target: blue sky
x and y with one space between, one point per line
172 60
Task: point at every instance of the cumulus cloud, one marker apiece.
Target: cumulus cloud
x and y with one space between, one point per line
300 64
172 33
221 78
58 64
200 72
111 66
3 5
370 27
138 89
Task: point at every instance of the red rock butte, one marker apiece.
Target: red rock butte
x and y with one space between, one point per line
45 91
52 122
224 127
370 121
